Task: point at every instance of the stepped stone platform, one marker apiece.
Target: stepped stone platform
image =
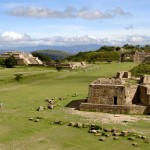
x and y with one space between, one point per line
22 58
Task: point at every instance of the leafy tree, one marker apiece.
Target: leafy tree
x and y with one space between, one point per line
2 62
107 48
41 56
10 62
58 68
118 48
128 47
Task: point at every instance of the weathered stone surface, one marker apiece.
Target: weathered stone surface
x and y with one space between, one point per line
118 96
41 108
102 139
134 144
23 58
120 109
135 56
123 74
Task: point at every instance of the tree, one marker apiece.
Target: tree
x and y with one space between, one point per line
118 48
58 67
41 56
2 62
10 62
106 48
128 47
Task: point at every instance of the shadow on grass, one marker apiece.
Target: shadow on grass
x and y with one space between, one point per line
75 104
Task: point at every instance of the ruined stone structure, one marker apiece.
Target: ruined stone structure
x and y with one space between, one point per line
72 65
147 59
23 58
119 95
134 56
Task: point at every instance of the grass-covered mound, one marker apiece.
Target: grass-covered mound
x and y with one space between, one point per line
143 68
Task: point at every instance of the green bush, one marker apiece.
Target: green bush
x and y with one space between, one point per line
10 62
143 68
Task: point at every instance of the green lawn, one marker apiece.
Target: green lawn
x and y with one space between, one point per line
21 99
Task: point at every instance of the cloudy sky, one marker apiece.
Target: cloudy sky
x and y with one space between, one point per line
74 22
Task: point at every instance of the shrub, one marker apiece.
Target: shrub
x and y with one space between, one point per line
18 76
10 62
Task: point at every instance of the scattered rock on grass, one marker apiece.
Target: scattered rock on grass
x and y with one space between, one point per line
107 135
143 137
124 133
31 119
36 120
134 144
102 139
107 130
58 122
116 138
41 108
131 138
92 131
79 125
71 124
116 134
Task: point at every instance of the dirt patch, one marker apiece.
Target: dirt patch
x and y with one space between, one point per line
104 117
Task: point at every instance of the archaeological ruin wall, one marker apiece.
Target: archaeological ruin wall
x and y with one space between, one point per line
119 95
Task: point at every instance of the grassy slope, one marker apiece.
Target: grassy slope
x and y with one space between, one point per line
20 100
54 54
143 68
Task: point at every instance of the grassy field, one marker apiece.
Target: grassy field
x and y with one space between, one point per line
21 99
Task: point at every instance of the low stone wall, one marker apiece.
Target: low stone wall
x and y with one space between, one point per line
120 109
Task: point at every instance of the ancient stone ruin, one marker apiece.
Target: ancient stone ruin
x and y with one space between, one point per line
72 65
135 56
122 94
23 58
67 65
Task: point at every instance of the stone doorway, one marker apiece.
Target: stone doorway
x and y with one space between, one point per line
115 100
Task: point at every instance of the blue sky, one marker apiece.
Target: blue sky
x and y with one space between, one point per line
73 22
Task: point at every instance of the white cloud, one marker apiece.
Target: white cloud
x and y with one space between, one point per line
13 39
121 12
70 12
13 36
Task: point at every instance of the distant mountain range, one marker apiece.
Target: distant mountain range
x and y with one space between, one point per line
70 49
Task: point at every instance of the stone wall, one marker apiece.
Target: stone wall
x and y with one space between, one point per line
147 59
144 95
140 56
105 94
108 81
145 79
123 74
132 95
134 56
120 109
127 56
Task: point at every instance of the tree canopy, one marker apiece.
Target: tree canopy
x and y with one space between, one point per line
41 56
10 62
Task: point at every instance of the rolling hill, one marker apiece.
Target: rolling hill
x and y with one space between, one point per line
53 54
